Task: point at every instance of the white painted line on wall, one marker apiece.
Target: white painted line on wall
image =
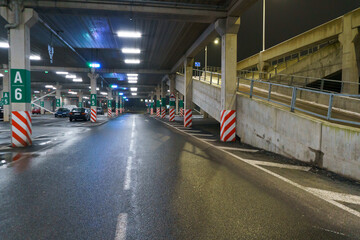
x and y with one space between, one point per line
280 165
337 204
239 149
121 227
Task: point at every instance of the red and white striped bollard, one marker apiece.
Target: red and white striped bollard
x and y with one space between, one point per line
228 125
21 129
188 118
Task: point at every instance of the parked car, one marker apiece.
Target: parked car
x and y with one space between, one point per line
62 112
79 114
36 111
99 111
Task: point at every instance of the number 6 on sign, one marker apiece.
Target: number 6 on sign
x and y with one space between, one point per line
18 94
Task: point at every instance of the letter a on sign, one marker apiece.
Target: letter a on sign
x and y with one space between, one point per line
18 78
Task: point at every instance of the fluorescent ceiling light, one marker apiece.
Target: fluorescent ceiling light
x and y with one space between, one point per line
62 73
49 86
132 74
73 93
132 78
85 97
4 45
94 65
131 50
36 91
128 34
132 61
120 93
114 86
134 94
132 81
70 76
103 93
97 89
77 80
35 57
133 89
1 75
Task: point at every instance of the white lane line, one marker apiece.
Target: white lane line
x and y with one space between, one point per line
121 227
280 165
208 140
202 134
342 197
337 204
132 152
5 130
195 131
239 149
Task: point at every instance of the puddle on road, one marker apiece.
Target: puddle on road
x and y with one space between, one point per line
18 160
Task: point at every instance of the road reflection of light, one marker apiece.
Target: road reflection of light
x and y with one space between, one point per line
44 143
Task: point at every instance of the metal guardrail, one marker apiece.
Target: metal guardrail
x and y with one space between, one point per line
294 94
324 85
213 78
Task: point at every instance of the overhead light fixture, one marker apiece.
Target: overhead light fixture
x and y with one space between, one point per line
132 81
97 89
129 34
94 65
142 100
168 90
132 74
70 76
146 100
49 86
1 75
62 73
77 80
114 86
134 94
133 89
131 50
36 91
132 61
216 41
4 45
132 78
73 93
85 97
35 57
120 93
124 97
127 100
103 93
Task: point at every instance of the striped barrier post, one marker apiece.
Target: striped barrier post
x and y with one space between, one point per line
152 108
21 129
109 109
163 108
93 108
93 115
188 118
228 126
181 107
172 107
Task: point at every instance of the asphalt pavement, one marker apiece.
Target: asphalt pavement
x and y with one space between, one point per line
137 177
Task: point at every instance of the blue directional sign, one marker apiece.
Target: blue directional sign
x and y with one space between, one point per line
197 64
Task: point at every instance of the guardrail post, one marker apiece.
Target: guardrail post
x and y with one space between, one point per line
238 83
253 75
322 85
292 80
293 99
330 106
210 78
205 75
251 88
342 86
306 82
269 93
218 82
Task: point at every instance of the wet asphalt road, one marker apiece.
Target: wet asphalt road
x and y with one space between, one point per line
164 184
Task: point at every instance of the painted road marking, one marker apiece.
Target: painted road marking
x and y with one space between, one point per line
190 130
280 165
128 174
121 227
202 134
341 197
331 201
239 149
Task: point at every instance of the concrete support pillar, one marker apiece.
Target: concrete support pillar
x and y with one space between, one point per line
188 90
177 103
80 99
117 104
228 28
163 100
152 103
42 102
172 98
158 97
93 96
109 103
349 40
58 95
20 80
6 94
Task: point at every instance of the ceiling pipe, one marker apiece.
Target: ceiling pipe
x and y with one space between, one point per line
16 9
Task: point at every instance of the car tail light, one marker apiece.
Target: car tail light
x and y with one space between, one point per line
83 113
70 113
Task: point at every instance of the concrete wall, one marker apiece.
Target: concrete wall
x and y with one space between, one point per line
298 136
179 83
208 98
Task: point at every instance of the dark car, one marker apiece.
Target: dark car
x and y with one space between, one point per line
62 112
99 111
36 111
79 114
